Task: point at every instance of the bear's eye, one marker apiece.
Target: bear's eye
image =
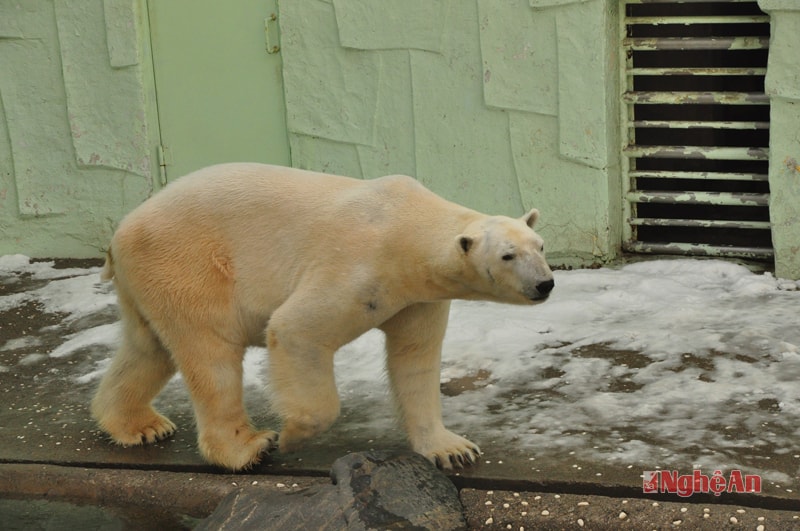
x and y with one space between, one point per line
508 257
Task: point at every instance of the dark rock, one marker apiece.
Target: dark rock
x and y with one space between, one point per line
371 490
395 491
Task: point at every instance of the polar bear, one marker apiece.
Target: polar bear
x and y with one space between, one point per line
248 254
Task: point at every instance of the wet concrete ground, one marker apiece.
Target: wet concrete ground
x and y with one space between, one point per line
50 451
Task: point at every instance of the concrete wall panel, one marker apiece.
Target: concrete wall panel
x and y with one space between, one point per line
76 148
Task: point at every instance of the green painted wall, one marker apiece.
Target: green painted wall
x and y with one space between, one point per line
500 105
76 126
783 86
497 104
79 124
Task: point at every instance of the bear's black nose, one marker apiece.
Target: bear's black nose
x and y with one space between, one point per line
545 287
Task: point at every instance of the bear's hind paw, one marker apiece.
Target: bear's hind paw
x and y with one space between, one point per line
242 452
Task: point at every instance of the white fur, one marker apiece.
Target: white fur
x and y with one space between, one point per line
248 254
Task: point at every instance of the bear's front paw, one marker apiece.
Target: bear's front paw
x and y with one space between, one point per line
241 450
447 450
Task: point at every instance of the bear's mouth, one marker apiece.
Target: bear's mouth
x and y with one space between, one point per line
539 297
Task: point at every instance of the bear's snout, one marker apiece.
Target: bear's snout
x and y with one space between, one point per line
542 290
545 287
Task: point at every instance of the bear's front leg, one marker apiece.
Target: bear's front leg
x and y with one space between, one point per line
413 346
301 350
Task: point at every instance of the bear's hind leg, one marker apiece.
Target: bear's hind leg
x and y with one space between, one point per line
212 369
138 371
413 347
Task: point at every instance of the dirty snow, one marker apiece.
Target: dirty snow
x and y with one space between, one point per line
664 362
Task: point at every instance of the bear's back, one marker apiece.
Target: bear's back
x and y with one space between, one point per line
258 208
236 185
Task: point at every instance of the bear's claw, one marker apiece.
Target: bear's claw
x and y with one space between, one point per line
451 451
152 428
458 460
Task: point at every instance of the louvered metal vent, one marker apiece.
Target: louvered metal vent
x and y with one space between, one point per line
696 122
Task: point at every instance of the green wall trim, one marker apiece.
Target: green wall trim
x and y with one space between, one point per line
783 86
778 5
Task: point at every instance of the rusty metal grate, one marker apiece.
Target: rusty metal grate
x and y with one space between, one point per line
696 126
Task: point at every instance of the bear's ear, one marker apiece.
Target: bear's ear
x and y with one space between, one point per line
531 218
465 243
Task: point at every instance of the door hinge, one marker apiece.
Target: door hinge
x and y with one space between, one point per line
271 35
162 164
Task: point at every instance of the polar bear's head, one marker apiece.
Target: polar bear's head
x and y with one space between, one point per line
505 260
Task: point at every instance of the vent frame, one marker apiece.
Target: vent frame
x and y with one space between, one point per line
695 134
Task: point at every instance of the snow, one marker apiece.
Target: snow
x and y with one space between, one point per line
659 362
73 291
103 335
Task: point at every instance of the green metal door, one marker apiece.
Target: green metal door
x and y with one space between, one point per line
219 87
